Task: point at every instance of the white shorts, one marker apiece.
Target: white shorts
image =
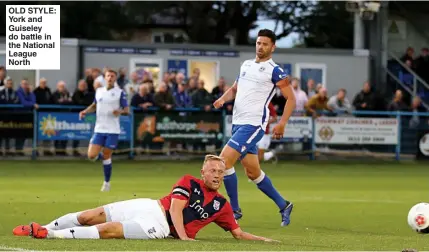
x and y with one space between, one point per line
140 218
265 142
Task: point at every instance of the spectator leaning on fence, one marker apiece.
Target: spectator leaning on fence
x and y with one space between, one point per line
61 97
164 99
317 103
365 99
143 99
181 97
122 77
340 103
192 86
201 98
397 103
43 92
28 100
300 96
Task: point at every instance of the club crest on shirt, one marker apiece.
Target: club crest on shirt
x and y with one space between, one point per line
261 69
244 73
216 205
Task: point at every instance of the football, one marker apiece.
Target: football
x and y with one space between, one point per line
418 218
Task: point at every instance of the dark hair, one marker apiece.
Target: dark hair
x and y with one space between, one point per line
342 90
267 33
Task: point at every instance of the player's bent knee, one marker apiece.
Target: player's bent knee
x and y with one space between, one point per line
92 217
111 230
230 156
107 153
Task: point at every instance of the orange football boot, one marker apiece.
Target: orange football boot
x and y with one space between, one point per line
22 230
37 231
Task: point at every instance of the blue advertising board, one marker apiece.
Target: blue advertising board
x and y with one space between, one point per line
67 126
178 66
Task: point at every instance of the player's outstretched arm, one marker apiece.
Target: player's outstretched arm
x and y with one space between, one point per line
176 212
241 235
90 109
290 105
229 95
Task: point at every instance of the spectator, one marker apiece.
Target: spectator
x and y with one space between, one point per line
2 77
196 74
122 77
182 98
143 99
132 87
180 80
150 86
318 102
89 80
397 104
163 99
44 96
43 93
218 91
192 86
7 96
409 55
310 88
25 96
278 100
167 80
300 96
62 97
422 65
365 99
81 95
201 98
339 102
28 100
96 76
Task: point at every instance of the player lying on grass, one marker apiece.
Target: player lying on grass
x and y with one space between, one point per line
191 205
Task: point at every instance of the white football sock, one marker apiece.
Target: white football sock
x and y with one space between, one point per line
268 155
75 233
66 221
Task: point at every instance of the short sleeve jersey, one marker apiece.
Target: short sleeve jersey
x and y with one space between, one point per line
202 208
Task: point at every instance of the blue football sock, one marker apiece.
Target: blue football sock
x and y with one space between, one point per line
264 184
107 165
231 185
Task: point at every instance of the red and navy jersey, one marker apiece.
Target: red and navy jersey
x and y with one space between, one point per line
273 113
202 208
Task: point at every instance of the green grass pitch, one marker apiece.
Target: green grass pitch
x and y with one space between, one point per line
338 206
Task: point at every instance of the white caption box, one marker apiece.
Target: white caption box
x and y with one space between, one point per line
33 39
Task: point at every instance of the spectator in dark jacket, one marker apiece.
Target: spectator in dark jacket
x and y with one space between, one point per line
143 99
201 98
61 97
7 96
43 93
28 100
81 95
181 97
2 77
422 65
365 99
164 99
397 104
218 91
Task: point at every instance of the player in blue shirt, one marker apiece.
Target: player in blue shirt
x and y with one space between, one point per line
253 91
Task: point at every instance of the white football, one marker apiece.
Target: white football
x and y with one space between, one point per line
418 218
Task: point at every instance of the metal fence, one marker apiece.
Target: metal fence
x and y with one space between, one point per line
54 131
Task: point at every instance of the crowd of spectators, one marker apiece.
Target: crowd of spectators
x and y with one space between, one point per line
175 90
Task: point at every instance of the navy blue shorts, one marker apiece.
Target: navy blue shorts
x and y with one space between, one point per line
106 140
244 139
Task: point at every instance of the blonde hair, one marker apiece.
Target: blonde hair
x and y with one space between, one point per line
211 157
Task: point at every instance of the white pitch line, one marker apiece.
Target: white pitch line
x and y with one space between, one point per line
6 248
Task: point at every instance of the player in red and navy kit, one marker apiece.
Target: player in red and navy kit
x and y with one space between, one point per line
265 142
191 205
